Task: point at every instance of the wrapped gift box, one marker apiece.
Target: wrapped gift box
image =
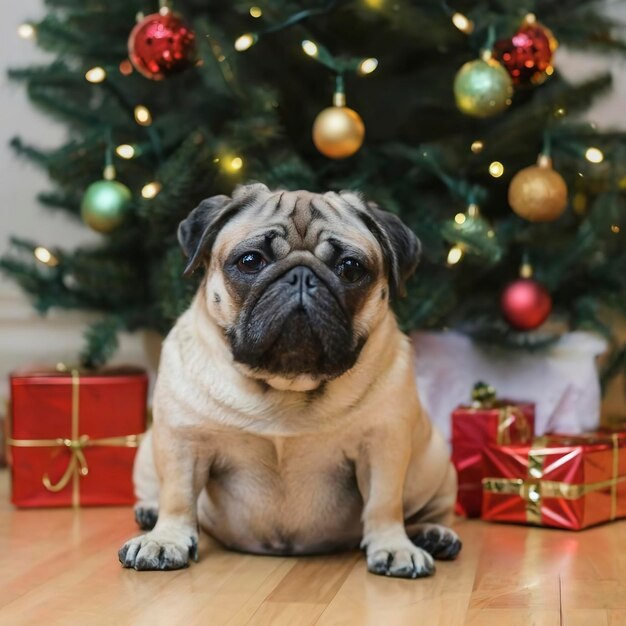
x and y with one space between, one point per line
486 421
561 481
73 436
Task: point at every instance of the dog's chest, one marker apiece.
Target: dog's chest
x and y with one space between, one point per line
271 493
281 466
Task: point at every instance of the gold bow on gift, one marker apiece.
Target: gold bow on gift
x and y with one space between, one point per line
534 488
77 466
484 397
77 462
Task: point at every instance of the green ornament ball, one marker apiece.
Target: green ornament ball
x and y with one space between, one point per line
482 88
104 205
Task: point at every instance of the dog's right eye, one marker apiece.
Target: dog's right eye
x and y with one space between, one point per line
251 263
350 270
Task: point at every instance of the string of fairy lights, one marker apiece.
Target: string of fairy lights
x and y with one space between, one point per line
482 88
143 116
105 201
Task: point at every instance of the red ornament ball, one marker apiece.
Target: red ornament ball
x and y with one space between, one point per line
527 56
161 45
525 304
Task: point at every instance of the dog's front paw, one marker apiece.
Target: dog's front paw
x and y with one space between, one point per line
440 541
399 558
161 549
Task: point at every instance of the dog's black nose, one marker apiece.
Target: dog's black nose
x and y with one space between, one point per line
303 280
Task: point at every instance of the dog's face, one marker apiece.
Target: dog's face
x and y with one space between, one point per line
297 281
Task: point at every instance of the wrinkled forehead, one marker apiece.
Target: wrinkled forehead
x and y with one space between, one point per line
300 220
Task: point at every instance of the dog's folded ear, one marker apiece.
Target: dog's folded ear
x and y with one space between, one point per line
198 231
400 245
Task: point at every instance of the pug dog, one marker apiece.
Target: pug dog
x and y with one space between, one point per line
286 415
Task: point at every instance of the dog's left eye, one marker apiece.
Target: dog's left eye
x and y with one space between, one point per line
251 262
350 270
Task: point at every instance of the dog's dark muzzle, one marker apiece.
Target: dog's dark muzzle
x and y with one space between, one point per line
296 325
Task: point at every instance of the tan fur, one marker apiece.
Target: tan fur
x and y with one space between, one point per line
299 472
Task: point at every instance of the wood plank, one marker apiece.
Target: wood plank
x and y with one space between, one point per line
245 612
594 594
514 617
593 617
286 614
316 579
616 618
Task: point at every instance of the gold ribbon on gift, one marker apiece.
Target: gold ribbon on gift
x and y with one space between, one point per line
509 417
484 396
77 466
533 489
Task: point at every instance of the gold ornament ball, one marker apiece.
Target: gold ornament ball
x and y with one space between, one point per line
538 193
338 132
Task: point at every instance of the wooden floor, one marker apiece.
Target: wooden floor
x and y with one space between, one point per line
60 567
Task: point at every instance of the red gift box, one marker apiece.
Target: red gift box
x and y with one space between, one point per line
486 421
73 436
561 481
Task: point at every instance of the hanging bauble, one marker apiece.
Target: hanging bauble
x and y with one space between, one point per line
104 205
527 55
338 131
482 87
525 304
161 44
538 193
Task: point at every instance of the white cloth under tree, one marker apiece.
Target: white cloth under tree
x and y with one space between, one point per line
561 379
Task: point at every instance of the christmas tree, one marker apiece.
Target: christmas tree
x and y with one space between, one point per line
222 93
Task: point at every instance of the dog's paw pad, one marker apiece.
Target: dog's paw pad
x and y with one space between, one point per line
441 542
146 517
165 550
401 563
